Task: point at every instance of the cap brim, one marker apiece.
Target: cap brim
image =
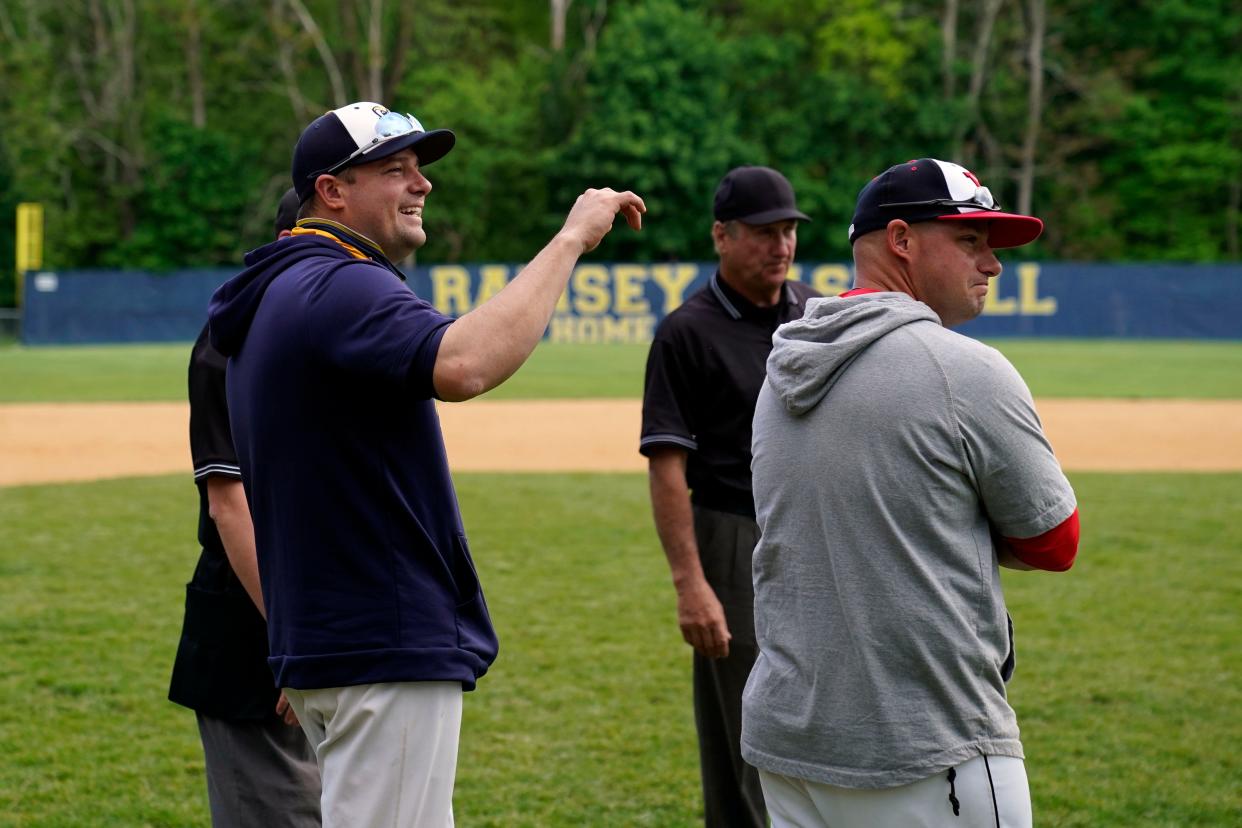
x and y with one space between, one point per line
429 146
769 216
1004 229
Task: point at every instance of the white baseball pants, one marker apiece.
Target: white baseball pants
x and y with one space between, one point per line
387 752
985 792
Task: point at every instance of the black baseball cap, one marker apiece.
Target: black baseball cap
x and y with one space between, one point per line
287 211
755 195
931 190
358 134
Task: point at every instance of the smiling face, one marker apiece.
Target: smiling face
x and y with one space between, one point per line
384 202
755 258
949 268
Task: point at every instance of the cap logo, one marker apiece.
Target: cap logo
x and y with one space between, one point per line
972 177
379 111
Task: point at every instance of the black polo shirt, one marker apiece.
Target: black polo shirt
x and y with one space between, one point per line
221 665
704 371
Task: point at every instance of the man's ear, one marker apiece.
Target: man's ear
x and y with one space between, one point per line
899 235
719 234
328 189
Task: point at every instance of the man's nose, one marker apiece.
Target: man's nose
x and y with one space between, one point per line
990 265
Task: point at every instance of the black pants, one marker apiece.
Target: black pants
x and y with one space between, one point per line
732 795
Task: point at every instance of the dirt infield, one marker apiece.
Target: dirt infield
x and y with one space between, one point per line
47 443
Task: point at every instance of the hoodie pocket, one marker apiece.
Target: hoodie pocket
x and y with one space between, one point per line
474 625
465 579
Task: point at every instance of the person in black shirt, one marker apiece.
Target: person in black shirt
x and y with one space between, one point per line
704 372
261 770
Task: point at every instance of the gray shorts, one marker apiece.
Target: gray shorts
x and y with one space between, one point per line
259 773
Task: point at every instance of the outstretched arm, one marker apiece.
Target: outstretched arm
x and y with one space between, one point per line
483 348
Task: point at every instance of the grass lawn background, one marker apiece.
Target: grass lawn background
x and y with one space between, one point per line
1127 687
1052 368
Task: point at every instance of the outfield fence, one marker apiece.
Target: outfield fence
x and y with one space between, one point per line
624 302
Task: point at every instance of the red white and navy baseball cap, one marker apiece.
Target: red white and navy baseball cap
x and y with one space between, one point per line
933 190
357 134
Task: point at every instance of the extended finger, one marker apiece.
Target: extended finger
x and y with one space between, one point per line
636 200
633 217
633 207
720 638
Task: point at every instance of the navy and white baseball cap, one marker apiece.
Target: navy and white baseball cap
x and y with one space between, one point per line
931 190
358 134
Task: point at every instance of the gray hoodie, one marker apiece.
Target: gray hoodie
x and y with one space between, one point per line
887 450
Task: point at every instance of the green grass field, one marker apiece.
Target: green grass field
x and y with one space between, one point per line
1053 368
1127 687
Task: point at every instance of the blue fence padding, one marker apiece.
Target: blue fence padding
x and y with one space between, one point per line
624 302
1134 301
110 306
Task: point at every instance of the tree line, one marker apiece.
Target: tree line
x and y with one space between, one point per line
158 133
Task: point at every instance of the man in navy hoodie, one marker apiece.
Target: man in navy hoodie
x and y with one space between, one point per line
376 621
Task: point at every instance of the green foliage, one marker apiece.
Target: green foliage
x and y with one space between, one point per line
828 125
187 204
158 133
1127 680
1052 368
1144 148
657 120
489 197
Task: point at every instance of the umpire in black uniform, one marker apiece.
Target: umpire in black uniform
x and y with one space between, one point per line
704 371
261 771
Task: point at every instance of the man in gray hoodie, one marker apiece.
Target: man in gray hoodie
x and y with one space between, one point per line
896 465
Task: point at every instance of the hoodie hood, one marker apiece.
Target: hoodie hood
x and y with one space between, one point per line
809 354
235 302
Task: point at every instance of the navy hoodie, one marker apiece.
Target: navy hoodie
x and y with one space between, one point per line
366 573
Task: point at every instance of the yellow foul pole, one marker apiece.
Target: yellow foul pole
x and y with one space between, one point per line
29 242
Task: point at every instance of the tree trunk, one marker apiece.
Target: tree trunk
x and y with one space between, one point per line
1034 102
401 45
350 50
194 64
375 53
592 27
1231 218
948 36
301 108
559 10
330 65
978 71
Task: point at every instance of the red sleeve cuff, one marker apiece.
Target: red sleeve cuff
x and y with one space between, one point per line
1053 551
